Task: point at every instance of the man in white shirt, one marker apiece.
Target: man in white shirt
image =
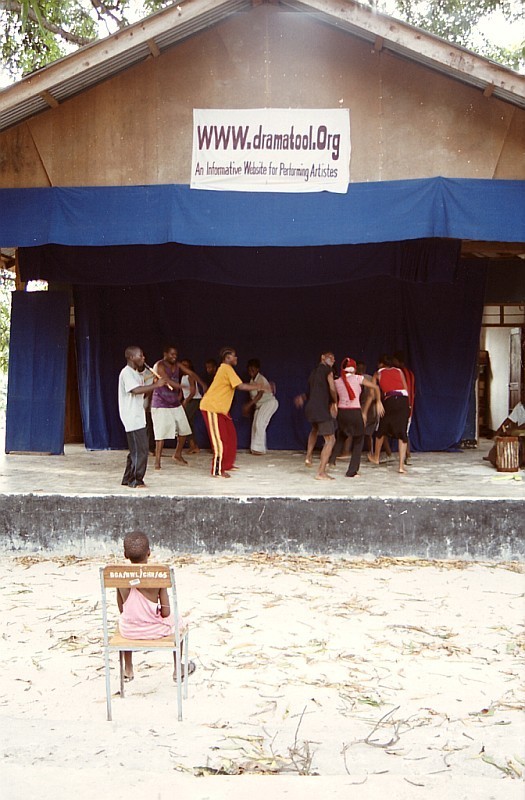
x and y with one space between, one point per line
131 391
264 405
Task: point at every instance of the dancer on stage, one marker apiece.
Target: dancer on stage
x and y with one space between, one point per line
264 405
321 409
169 417
131 391
398 360
350 417
394 392
215 409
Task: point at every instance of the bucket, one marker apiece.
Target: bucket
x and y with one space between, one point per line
507 454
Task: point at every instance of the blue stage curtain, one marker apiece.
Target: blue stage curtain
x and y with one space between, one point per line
420 261
437 325
36 396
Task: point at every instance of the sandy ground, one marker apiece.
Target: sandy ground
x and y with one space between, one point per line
316 677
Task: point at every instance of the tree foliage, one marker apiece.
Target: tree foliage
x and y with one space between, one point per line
34 33
7 284
458 21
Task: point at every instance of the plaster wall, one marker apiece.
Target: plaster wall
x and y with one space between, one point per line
407 121
401 527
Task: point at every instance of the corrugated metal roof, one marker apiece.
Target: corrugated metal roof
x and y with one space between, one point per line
105 58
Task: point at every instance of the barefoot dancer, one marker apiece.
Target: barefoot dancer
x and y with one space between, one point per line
215 409
145 613
264 406
320 408
394 391
398 360
350 416
169 417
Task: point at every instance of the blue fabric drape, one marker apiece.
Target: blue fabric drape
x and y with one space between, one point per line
36 394
437 325
369 212
419 261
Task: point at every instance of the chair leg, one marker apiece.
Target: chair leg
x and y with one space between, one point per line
178 672
121 664
108 686
186 659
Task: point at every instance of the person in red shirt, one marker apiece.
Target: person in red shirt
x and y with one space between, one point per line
398 360
394 423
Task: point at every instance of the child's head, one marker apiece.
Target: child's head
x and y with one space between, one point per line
136 547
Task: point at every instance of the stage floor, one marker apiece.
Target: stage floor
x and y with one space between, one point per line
283 474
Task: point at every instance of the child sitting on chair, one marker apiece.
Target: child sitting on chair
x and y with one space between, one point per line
145 613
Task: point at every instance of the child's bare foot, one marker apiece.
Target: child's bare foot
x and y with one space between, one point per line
180 460
128 674
324 477
157 466
191 669
402 471
373 460
308 462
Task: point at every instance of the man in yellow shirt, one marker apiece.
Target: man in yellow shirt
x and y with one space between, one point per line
215 408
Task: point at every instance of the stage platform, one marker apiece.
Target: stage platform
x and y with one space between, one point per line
449 505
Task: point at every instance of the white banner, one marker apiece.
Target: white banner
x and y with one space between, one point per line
271 150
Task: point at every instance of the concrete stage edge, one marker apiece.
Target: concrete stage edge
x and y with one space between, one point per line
433 528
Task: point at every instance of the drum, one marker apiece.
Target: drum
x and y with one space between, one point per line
507 454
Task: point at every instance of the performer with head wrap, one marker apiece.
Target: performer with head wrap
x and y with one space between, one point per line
350 416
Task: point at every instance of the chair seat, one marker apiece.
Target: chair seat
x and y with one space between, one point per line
118 642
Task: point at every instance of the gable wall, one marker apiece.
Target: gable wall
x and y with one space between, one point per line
406 120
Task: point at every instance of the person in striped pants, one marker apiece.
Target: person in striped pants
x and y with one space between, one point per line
215 409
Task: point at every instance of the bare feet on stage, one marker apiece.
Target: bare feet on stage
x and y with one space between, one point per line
373 460
324 477
193 450
308 462
180 460
128 674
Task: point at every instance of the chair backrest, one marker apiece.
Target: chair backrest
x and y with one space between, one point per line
147 576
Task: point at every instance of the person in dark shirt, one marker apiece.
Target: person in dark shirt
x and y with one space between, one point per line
320 404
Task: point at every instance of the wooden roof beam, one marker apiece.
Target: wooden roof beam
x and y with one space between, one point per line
153 48
49 99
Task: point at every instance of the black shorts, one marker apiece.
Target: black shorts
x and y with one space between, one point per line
395 421
325 428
